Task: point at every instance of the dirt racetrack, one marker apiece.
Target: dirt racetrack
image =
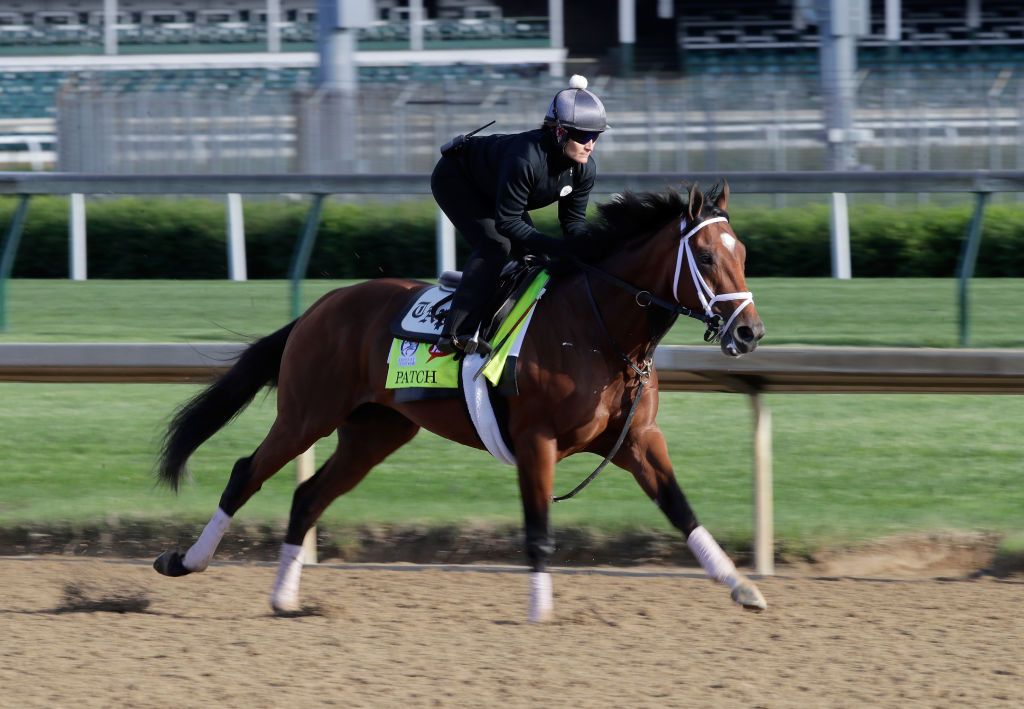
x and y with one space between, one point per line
93 633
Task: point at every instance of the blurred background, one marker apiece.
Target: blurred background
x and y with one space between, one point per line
279 86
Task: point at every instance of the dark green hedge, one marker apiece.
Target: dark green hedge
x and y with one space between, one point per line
140 238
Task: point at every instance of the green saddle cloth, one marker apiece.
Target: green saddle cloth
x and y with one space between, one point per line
420 365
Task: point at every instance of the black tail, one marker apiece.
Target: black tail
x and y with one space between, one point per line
220 402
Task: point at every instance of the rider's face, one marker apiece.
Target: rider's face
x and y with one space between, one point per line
579 152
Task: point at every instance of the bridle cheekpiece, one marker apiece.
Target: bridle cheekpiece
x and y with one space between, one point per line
704 291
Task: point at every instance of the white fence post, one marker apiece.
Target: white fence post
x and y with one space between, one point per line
305 467
236 239
764 528
445 243
839 223
77 246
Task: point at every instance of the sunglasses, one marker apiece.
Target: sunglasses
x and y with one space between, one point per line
583 136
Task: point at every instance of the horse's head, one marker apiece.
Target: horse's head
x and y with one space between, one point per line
709 273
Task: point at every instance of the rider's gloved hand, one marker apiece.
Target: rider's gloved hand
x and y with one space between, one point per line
547 246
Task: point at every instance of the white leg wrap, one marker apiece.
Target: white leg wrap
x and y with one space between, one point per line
711 557
197 558
285 596
541 604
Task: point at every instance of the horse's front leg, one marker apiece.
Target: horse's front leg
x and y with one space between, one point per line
645 455
535 460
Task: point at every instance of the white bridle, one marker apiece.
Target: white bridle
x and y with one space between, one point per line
700 285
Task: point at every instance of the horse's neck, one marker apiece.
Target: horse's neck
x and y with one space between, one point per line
634 327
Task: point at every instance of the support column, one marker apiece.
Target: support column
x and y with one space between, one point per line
76 222
893 29
764 526
556 33
627 36
974 15
838 23
893 20
337 22
110 27
416 25
274 26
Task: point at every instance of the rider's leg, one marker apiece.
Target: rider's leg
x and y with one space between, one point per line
474 218
479 277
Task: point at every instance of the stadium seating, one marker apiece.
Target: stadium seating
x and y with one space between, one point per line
252 36
33 94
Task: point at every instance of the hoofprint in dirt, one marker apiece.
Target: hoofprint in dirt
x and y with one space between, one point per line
92 633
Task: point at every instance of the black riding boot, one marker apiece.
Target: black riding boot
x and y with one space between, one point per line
470 298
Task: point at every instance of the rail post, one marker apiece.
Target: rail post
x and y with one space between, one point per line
303 250
9 252
764 528
965 265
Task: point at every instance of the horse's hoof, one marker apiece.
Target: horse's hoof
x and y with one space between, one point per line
748 596
540 615
285 608
170 564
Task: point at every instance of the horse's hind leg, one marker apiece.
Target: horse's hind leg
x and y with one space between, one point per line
282 444
369 436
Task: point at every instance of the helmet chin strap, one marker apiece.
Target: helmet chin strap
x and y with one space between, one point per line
707 296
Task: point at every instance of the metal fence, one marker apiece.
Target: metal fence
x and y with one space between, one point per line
907 119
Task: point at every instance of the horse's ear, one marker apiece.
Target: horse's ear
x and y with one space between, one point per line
696 202
723 197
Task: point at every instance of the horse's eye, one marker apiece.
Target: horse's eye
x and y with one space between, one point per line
705 258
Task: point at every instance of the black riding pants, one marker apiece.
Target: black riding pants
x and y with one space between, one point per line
473 215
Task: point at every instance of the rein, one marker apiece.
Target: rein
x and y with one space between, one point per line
643 375
644 299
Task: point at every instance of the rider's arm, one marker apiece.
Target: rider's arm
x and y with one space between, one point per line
514 185
572 209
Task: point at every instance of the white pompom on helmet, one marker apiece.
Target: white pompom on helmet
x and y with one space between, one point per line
575 107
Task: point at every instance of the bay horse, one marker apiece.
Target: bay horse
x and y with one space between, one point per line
585 377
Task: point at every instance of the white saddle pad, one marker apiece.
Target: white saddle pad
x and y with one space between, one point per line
417 319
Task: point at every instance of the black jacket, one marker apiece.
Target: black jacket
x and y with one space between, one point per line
526 171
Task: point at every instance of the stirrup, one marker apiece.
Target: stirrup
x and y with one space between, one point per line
447 344
475 345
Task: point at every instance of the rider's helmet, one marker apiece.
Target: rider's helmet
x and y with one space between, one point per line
577 109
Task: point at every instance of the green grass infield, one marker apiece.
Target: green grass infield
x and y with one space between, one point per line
847 467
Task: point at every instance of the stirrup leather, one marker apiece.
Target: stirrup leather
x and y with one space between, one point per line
448 344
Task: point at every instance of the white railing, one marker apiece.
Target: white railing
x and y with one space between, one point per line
981 183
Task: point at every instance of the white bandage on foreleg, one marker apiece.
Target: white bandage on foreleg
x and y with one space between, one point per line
285 595
199 554
711 557
541 603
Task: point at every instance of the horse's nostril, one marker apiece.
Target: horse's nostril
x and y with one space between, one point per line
744 334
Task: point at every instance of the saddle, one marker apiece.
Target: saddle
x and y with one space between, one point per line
422 319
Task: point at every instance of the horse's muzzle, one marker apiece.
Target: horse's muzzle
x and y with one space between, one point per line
742 338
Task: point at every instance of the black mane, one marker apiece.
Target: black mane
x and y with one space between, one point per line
629 217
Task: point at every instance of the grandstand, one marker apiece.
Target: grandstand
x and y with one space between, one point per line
494 55
42 27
